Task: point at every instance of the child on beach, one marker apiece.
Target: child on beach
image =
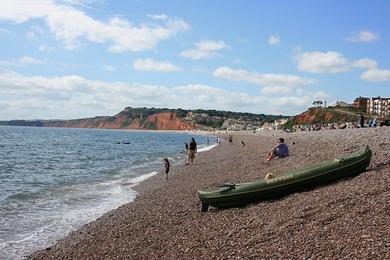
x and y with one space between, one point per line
280 150
166 165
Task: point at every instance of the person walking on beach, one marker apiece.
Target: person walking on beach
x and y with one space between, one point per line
280 150
192 152
361 120
167 165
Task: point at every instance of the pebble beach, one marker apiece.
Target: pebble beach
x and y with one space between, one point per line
346 219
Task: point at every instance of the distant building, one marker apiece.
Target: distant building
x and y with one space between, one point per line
378 106
279 122
342 104
360 102
267 126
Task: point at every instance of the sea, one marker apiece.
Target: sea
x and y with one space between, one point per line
54 180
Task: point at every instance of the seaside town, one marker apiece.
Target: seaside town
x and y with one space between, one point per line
375 109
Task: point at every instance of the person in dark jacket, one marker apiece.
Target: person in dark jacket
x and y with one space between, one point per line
361 120
167 165
192 151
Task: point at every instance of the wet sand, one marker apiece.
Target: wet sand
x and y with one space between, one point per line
346 219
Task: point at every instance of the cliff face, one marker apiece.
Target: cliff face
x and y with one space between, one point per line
157 121
168 121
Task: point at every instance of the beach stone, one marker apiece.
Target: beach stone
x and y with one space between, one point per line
346 219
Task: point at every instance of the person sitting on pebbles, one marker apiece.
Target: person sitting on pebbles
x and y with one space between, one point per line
280 150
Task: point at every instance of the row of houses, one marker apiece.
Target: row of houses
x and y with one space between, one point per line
375 105
223 123
233 124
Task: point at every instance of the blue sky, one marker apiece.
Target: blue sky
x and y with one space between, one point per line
82 58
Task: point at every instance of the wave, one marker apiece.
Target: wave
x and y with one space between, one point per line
206 148
136 180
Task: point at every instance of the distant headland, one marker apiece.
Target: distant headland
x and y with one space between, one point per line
161 119
201 119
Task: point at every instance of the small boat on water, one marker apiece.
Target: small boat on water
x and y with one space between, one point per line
240 194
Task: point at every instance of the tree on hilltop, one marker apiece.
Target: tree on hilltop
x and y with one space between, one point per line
317 103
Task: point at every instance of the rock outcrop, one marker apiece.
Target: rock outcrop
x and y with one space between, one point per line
168 121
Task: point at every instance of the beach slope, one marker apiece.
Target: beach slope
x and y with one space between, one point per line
346 219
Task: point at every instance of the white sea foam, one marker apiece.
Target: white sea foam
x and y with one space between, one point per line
206 148
143 177
69 212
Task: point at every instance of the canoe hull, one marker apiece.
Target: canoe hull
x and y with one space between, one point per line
308 177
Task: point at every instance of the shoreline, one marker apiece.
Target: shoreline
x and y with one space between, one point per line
164 220
25 241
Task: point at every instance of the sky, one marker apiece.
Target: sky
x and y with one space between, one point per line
67 59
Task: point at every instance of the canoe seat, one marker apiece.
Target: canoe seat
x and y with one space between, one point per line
226 187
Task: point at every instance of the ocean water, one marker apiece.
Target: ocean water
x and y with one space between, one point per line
53 180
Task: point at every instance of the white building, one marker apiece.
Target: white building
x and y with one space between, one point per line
378 106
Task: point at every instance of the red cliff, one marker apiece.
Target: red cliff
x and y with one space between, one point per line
168 121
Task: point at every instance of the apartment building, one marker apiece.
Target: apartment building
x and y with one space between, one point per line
378 106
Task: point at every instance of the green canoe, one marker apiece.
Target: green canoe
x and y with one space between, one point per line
234 195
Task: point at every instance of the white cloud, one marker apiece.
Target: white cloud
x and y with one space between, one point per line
364 63
25 60
64 22
376 75
304 100
329 62
363 36
211 45
320 62
25 97
205 50
109 68
158 16
197 54
152 65
262 79
29 60
274 39
81 3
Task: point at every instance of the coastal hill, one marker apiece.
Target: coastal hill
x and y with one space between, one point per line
329 115
160 119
